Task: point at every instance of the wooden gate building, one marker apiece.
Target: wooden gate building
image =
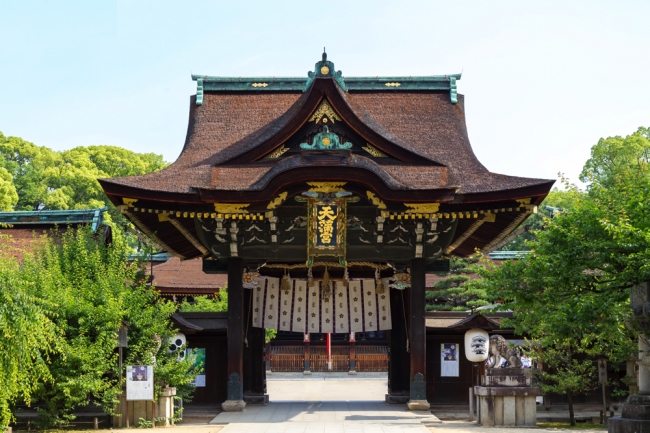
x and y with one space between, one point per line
327 184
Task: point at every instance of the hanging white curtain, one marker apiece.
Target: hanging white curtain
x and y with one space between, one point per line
356 308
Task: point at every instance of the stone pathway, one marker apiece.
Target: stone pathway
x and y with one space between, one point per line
292 387
326 417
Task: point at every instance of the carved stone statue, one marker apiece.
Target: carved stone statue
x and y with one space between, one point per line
500 350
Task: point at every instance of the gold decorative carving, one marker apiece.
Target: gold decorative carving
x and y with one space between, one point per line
393 84
523 201
324 109
260 84
422 207
277 201
129 201
375 200
324 70
326 187
231 208
278 152
374 151
163 217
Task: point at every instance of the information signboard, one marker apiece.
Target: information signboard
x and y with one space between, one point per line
449 360
139 382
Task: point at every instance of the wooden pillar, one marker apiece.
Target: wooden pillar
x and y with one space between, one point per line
235 396
254 359
307 352
353 358
418 338
398 356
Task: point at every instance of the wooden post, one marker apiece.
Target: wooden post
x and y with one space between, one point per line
353 357
398 356
307 370
254 359
418 338
235 395
127 412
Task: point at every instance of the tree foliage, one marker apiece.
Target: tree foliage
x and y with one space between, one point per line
452 293
28 337
558 200
48 179
8 194
206 303
572 291
90 290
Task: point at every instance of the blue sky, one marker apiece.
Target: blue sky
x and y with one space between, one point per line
543 80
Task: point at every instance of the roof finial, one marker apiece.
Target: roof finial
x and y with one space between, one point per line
324 55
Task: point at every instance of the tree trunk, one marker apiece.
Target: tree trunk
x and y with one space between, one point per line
572 418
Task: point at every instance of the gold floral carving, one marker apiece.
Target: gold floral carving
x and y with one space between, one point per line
422 207
324 109
278 152
523 201
277 201
374 151
393 84
129 201
260 84
326 187
231 208
375 200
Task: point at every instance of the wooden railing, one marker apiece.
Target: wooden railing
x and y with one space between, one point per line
292 358
340 359
372 358
287 358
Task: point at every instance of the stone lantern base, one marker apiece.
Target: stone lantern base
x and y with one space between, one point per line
635 416
506 398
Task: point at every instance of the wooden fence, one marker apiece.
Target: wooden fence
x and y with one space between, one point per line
372 358
292 358
287 358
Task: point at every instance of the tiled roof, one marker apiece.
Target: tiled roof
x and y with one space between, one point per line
229 124
186 277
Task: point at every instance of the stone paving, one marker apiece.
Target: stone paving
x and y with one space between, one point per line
325 417
326 403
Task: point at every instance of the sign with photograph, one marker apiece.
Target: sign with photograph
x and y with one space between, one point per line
197 356
139 382
449 360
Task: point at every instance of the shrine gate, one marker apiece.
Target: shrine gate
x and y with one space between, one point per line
326 200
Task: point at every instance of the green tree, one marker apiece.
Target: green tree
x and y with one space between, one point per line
558 200
206 303
93 289
452 293
8 194
564 374
573 289
68 179
27 336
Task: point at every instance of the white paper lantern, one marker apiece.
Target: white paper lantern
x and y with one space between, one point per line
477 345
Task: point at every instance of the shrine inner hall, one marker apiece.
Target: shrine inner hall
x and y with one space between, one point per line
326 200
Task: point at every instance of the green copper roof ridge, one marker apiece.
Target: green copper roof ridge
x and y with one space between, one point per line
413 78
325 69
66 216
